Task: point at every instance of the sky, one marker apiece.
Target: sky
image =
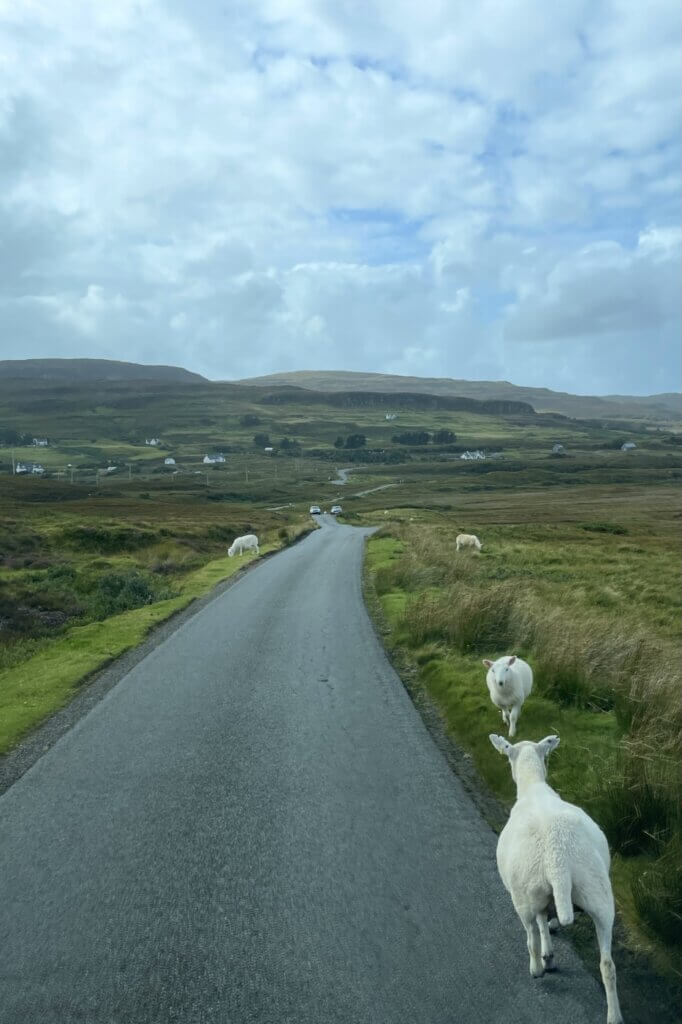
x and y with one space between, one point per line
485 191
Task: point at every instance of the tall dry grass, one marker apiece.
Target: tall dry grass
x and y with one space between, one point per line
590 659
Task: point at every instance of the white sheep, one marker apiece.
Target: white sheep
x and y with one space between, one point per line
468 540
249 542
509 681
550 849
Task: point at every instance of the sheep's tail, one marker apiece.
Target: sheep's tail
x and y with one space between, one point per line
561 888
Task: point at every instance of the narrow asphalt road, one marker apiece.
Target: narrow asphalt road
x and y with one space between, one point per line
255 826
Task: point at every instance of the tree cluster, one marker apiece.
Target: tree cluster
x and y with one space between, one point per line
351 442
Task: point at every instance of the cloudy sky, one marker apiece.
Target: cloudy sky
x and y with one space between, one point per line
482 190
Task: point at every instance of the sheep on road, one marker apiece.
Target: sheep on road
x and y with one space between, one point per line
550 849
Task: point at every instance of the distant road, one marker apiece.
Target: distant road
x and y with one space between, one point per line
342 476
255 827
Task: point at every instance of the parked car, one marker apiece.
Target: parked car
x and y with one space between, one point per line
315 510
336 510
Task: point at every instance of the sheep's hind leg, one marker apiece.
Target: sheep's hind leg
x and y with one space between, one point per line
533 937
603 924
546 942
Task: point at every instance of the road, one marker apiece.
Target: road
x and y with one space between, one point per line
254 825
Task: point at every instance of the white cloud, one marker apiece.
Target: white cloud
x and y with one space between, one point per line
604 289
294 182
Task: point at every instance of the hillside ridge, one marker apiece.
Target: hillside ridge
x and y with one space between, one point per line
93 369
541 399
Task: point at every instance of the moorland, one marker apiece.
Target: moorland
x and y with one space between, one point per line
578 571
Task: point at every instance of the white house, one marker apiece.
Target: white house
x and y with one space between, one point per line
40 442
169 461
557 449
269 450
473 455
213 458
153 441
34 468
628 446
391 416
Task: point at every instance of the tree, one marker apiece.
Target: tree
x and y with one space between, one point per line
261 440
249 420
356 441
339 443
444 437
289 446
9 436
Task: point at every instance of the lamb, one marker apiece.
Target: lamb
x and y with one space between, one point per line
467 540
553 849
509 680
249 542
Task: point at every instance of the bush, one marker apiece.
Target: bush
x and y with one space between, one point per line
603 528
121 591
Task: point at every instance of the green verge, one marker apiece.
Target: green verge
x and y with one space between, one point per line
36 688
591 739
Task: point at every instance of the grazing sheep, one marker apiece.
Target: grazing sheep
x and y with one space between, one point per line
509 680
249 542
468 540
550 849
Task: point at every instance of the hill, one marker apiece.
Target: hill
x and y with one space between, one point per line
77 370
655 407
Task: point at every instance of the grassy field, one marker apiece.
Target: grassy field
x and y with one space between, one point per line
83 577
584 583
578 571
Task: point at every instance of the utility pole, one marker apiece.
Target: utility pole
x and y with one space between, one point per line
130 472
13 466
207 478
246 473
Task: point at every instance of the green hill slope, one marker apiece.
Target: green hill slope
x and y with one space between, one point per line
73 370
656 407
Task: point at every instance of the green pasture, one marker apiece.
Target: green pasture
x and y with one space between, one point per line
587 589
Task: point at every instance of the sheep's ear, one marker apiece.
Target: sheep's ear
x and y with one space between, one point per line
549 744
512 659
501 744
487 662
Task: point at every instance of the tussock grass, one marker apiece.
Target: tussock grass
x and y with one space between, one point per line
607 675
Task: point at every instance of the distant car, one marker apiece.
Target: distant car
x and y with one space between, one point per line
315 510
336 510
